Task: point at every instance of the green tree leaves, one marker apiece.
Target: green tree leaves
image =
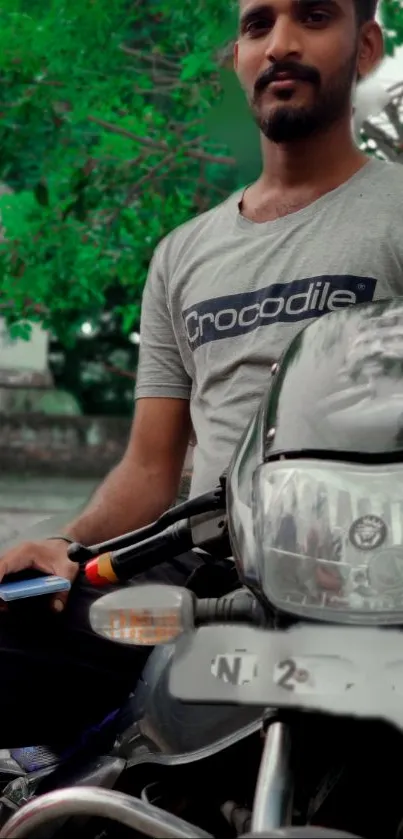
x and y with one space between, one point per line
103 143
117 124
392 21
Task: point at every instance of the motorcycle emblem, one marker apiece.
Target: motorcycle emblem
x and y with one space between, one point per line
368 532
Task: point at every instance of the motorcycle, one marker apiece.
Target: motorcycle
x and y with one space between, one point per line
279 669
137 746
206 675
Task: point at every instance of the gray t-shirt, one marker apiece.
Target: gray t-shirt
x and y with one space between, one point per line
224 297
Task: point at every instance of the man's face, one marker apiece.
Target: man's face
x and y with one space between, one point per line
298 60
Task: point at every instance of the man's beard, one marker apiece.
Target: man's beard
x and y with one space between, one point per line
288 123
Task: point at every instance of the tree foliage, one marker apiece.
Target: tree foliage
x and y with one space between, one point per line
382 133
111 137
102 138
391 13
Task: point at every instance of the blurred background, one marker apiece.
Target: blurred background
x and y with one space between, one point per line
119 121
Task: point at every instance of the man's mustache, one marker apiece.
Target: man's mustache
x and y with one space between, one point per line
301 72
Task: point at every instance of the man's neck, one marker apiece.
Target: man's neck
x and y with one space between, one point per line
297 174
328 158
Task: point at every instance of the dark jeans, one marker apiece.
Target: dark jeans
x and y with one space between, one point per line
57 677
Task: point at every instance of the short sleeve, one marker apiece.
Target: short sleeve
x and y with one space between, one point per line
160 370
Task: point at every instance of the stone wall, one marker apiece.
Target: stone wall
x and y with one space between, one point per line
67 446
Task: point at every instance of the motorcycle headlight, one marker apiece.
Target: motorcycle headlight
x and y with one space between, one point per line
329 539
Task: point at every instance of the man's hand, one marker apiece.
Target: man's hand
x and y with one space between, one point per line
49 556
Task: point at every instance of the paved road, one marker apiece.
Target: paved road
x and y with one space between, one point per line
25 502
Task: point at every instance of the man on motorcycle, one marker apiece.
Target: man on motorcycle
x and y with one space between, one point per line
320 229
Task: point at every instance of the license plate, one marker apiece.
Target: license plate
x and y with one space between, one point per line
334 670
314 674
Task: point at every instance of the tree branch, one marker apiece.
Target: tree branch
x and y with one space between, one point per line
225 56
48 83
161 145
384 143
392 112
150 58
110 368
133 192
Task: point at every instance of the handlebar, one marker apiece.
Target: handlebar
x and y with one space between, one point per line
205 503
239 607
107 804
198 523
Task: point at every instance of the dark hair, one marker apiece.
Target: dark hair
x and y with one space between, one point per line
365 10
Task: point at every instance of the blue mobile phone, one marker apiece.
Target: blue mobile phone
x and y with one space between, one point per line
33 588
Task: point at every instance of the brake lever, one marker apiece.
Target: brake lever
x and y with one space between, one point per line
202 504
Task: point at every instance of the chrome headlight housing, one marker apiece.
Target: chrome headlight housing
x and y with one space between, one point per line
329 539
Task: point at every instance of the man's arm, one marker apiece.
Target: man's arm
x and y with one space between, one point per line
146 481
138 490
